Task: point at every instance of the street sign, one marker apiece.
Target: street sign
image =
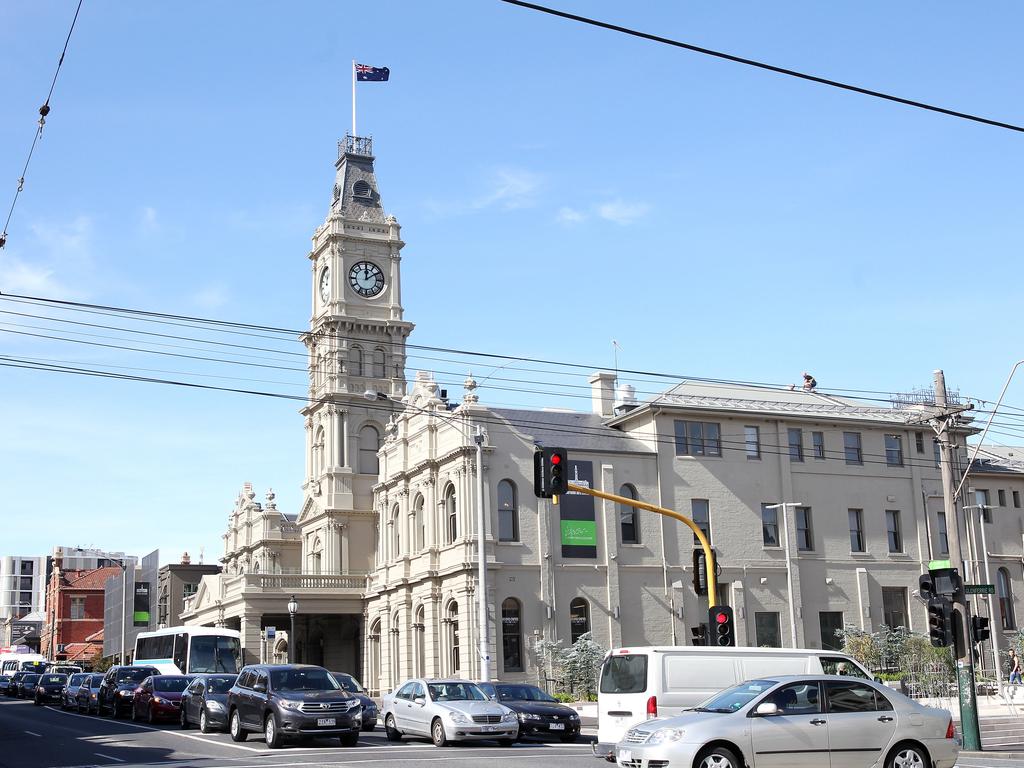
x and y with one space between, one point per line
980 589
271 633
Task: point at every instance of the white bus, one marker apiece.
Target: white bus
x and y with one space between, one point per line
12 662
189 650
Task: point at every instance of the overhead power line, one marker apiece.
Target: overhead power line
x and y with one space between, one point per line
43 112
768 67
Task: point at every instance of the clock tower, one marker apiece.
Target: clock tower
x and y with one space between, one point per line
356 344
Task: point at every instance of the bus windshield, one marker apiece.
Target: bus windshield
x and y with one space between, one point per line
214 653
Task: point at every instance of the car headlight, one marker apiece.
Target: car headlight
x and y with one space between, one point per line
663 735
511 717
574 716
457 717
125 693
158 700
528 716
215 706
290 703
92 695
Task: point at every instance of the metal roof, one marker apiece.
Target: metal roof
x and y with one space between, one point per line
571 430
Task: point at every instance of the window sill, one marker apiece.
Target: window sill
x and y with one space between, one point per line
899 555
689 457
633 545
516 543
772 547
862 556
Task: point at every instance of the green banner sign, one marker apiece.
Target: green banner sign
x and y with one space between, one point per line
579 533
979 589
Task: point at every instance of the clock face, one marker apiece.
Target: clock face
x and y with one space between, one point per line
325 284
366 279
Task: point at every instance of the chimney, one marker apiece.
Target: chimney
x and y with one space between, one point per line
602 393
185 559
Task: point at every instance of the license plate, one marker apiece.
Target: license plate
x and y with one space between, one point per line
326 722
492 727
556 726
625 755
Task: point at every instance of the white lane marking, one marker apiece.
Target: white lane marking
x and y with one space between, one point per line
33 733
108 757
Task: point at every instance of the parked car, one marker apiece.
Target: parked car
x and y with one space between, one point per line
205 702
795 720
67 695
87 695
159 698
5 684
27 685
287 700
350 684
117 691
15 685
65 669
539 714
447 710
49 688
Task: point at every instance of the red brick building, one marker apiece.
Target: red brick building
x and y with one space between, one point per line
74 608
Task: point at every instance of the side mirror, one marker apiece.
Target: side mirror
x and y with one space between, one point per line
766 709
260 687
420 700
879 680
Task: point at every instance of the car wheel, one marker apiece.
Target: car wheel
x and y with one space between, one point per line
237 731
115 712
350 739
437 734
183 720
150 715
390 732
506 742
37 701
204 721
271 733
718 757
907 756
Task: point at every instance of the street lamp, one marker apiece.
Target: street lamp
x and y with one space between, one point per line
481 556
988 580
789 562
293 608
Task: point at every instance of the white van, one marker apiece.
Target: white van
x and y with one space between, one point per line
640 683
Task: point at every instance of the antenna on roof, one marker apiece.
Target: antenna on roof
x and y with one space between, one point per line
615 353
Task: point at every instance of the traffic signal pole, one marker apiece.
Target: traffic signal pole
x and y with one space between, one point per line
709 556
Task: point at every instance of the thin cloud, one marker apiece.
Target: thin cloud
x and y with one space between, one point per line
210 297
622 212
568 215
17 276
511 188
148 222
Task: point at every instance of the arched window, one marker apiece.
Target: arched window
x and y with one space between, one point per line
451 516
321 371
369 444
629 521
316 556
579 619
419 654
452 622
378 364
396 649
508 512
396 532
376 544
356 361
374 661
318 452
417 525
512 635
1005 593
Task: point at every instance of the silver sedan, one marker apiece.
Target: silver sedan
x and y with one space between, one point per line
793 721
446 710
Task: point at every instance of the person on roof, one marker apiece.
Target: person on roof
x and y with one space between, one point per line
810 383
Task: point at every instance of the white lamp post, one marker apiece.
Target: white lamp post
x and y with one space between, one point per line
293 608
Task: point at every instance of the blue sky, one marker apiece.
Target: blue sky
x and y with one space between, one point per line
714 219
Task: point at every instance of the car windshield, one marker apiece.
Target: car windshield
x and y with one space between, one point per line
173 684
219 684
455 692
96 681
77 679
736 697
133 675
347 682
302 680
30 679
522 693
53 680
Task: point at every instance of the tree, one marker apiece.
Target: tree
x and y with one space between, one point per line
571 671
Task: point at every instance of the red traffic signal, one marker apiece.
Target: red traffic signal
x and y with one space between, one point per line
549 472
723 631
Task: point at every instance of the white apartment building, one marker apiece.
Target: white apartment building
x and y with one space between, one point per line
382 555
22 585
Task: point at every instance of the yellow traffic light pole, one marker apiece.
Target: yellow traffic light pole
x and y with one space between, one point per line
708 557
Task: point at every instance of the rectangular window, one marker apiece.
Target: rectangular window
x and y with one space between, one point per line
700 513
892 523
752 436
894 606
77 607
770 525
942 536
698 438
26 583
804 534
1002 497
1016 499
830 622
767 632
982 499
856 529
796 444
27 567
919 441
938 453
894 450
851 448
187 590
818 441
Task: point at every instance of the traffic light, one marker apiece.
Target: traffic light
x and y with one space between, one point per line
979 629
720 626
701 570
940 621
550 472
699 635
946 582
926 586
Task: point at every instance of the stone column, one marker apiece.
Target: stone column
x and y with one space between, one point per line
609 512
250 631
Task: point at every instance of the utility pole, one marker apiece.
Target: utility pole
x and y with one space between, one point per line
942 421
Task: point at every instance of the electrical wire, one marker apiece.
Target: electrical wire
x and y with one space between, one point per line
43 112
763 65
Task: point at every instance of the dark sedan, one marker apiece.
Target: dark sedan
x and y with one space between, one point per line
5 684
49 688
27 686
205 702
15 685
350 684
87 696
539 713
159 698
117 691
67 696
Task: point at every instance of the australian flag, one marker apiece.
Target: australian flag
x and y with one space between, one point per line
365 73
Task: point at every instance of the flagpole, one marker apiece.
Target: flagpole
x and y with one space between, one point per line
353 98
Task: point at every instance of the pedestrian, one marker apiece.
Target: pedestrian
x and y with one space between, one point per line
809 382
1014 664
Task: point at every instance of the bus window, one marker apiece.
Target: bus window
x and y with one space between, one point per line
181 652
213 653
